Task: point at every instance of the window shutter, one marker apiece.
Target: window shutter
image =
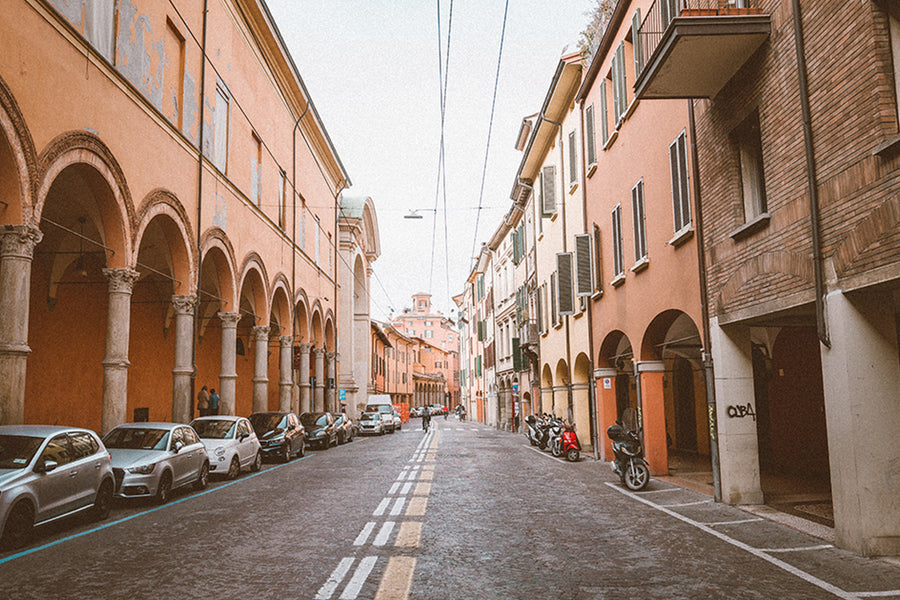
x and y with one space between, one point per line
589 133
478 366
573 158
599 280
480 283
516 355
583 265
564 282
548 192
636 42
604 114
622 83
515 245
521 240
554 315
539 308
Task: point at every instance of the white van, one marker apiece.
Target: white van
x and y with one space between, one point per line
381 403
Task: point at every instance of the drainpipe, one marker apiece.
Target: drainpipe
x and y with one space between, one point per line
592 386
704 313
294 218
821 325
199 205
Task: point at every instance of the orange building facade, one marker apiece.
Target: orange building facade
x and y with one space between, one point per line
168 201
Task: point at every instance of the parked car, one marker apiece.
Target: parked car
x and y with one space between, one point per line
415 411
346 429
398 421
370 422
381 403
48 472
321 428
231 444
280 434
150 460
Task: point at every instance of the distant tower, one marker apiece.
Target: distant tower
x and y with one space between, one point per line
422 303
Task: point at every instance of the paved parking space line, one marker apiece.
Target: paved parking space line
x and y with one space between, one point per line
394 487
687 504
663 491
423 488
885 594
798 548
397 579
382 506
383 535
337 576
807 577
416 506
364 534
409 534
542 453
716 523
359 578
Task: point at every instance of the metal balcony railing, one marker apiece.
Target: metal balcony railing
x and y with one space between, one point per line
662 12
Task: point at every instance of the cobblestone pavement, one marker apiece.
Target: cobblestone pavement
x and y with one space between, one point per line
462 511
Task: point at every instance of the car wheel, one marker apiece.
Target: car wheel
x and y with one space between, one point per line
286 453
164 490
203 477
234 469
103 503
257 463
302 451
19 525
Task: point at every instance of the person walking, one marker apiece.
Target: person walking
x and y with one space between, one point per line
213 402
203 402
426 419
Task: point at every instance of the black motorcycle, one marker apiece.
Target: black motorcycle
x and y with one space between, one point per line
630 465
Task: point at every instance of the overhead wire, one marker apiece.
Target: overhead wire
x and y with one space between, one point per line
487 148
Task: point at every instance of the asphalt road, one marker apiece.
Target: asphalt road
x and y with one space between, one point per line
460 512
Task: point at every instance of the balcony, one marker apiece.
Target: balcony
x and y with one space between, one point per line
528 333
692 48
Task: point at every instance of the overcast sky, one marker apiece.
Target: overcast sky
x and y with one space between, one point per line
372 69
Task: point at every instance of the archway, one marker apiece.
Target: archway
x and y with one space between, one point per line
252 347
280 342
563 402
217 320
546 389
615 389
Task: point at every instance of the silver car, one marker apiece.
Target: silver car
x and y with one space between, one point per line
231 444
49 472
152 459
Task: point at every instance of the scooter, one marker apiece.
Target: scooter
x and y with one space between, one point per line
570 444
534 431
629 464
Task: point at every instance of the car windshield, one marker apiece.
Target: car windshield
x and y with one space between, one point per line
128 438
314 419
219 429
16 451
265 422
370 416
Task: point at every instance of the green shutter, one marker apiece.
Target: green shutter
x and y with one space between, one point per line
516 355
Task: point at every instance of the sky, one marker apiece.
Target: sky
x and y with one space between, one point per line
373 70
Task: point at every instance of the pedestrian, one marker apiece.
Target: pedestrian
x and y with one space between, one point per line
213 402
426 419
203 402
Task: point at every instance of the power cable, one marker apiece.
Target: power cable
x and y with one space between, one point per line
490 127
443 74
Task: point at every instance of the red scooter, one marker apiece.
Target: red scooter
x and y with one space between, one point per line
566 442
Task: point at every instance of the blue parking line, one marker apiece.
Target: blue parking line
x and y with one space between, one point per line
140 514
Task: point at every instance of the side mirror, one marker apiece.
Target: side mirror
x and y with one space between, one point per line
46 465
244 436
178 446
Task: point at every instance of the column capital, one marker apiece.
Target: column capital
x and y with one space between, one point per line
121 281
306 347
229 320
261 332
285 341
319 352
19 240
330 356
184 305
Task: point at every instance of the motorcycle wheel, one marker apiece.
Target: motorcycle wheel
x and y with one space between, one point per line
556 449
573 455
636 476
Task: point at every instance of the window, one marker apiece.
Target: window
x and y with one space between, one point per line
548 191
640 226
604 112
220 131
681 201
256 171
301 226
618 256
57 450
173 73
636 42
429 333
747 137
564 283
589 134
620 85
282 180
100 27
573 164
553 309
598 283
427 323
584 268
317 239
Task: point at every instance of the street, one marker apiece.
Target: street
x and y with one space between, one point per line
463 511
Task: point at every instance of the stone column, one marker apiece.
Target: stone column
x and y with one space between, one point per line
115 362
738 441
305 405
227 367
183 369
285 359
17 244
261 368
319 391
330 392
